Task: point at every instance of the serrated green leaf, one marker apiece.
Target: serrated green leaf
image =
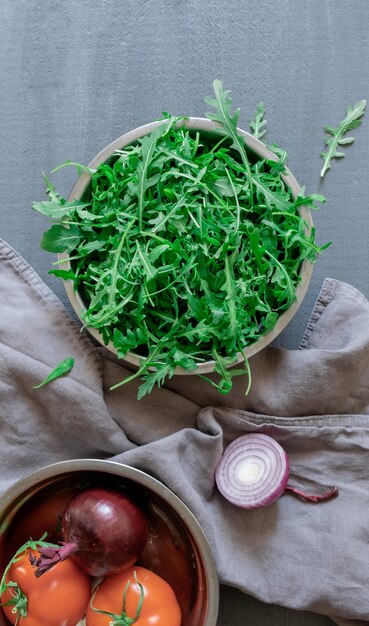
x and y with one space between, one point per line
223 103
273 198
309 201
58 209
223 187
148 145
229 288
84 214
181 359
157 252
153 378
351 121
149 270
50 189
91 246
124 343
330 130
258 122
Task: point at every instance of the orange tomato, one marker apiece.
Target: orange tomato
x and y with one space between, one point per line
57 598
159 606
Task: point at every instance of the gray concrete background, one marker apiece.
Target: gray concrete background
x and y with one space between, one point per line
75 74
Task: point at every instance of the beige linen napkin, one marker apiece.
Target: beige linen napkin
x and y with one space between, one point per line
314 401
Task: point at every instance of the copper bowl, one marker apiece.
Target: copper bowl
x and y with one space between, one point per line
177 549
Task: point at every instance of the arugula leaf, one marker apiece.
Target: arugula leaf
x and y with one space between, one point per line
351 121
154 378
50 189
224 186
258 122
58 209
230 301
60 370
148 145
226 375
279 199
223 103
125 343
64 274
61 239
183 249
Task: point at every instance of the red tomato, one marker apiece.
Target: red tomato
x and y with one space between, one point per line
159 607
57 598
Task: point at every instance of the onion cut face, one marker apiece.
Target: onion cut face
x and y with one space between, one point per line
253 471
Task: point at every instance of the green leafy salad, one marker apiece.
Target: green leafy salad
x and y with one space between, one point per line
185 248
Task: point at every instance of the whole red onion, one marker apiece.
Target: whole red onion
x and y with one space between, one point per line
104 531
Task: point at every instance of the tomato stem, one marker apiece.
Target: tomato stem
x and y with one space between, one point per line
123 619
19 601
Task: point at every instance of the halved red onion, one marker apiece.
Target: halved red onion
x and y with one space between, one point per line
253 471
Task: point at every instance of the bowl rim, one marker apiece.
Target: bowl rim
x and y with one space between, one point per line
53 470
255 145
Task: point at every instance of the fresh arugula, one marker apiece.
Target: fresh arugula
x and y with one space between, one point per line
258 122
336 139
222 103
60 370
186 248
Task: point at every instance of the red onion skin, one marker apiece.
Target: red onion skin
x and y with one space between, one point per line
109 529
104 532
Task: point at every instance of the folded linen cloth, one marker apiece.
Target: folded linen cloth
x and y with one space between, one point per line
314 401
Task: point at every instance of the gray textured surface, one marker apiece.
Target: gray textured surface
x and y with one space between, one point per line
76 74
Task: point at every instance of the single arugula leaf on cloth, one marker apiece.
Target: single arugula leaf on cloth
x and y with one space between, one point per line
351 121
258 122
60 370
